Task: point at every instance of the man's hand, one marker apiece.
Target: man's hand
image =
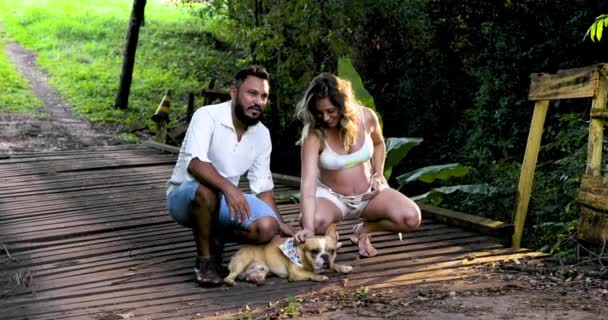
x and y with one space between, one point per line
302 235
237 204
286 230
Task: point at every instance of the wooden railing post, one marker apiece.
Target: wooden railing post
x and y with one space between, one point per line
586 82
527 170
161 134
596 131
593 193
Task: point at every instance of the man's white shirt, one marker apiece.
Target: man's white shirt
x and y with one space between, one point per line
211 137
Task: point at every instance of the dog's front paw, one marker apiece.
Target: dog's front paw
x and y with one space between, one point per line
321 278
342 268
346 269
229 282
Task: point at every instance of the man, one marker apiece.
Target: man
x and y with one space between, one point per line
223 142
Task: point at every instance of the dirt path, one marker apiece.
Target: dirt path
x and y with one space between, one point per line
55 127
502 291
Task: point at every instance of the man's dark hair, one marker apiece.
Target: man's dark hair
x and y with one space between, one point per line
252 70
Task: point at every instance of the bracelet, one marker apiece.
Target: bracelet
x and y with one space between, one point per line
380 178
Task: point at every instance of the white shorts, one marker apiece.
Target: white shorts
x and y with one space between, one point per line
350 206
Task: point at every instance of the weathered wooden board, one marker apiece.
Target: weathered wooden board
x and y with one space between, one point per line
91 229
565 84
594 193
593 226
526 177
593 197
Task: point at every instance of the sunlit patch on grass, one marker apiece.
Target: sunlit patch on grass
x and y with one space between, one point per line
15 92
80 44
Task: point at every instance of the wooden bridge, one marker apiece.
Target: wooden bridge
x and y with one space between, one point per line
84 234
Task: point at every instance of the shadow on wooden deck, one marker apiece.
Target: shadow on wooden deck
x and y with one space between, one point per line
85 235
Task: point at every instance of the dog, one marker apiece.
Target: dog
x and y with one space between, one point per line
253 262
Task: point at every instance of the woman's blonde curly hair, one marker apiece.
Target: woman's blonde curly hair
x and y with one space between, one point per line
340 94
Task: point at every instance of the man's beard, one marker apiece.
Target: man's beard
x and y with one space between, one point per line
245 119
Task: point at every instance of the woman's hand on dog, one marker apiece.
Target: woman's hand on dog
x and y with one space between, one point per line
302 235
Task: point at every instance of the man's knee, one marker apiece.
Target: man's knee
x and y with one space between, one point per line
264 229
206 198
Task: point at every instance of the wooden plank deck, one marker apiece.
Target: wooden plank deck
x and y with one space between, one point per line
85 234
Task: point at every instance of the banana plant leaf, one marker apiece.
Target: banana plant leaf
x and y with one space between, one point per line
432 173
347 71
467 188
292 196
396 150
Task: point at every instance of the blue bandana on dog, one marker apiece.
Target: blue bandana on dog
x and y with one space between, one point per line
289 250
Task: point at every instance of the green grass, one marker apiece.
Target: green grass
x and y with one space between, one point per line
15 93
80 44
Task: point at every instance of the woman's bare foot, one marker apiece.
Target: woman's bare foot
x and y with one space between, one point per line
362 239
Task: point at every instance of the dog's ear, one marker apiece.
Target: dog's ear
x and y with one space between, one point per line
332 233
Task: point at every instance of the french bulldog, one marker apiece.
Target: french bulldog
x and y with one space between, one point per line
283 258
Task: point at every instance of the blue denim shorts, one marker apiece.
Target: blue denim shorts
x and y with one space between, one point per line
179 203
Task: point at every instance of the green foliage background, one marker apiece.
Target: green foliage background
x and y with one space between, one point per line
454 73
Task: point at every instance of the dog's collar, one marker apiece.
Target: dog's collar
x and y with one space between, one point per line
290 251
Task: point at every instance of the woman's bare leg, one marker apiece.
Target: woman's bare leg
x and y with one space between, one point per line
326 214
390 210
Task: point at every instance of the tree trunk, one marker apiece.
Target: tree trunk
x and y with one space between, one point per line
126 74
256 14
